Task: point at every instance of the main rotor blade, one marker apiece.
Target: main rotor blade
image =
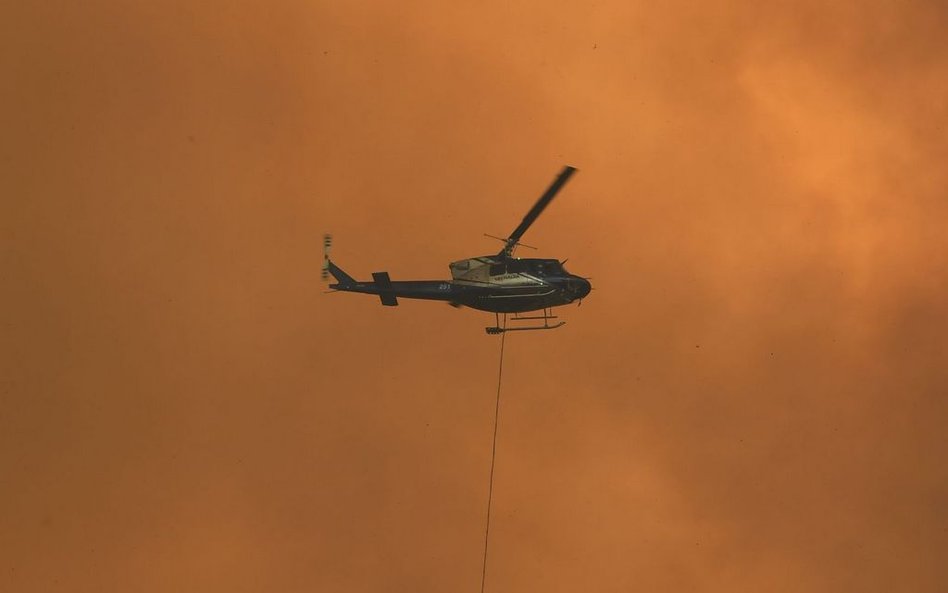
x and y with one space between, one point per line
537 209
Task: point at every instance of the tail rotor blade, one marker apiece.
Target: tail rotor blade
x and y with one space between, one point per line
327 245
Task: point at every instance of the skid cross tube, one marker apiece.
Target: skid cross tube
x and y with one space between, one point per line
546 317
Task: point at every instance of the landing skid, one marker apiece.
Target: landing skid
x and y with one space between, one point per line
546 318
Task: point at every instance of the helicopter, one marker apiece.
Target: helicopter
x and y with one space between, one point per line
499 283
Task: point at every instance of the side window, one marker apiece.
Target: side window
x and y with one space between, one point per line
496 269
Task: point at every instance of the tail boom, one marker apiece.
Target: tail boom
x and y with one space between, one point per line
389 292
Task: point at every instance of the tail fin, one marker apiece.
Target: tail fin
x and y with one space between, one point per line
343 278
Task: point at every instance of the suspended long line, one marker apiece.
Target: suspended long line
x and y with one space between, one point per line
493 454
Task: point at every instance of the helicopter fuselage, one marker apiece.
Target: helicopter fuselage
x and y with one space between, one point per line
497 285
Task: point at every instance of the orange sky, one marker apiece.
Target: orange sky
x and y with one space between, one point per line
752 399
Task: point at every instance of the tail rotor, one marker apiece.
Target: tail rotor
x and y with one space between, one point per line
327 245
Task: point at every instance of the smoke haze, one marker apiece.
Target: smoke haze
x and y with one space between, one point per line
752 398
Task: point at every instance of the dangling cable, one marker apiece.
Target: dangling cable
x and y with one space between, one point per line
493 453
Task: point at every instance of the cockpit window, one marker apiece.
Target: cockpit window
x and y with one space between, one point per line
552 267
540 267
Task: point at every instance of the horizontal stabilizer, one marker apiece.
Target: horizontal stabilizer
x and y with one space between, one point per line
386 292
